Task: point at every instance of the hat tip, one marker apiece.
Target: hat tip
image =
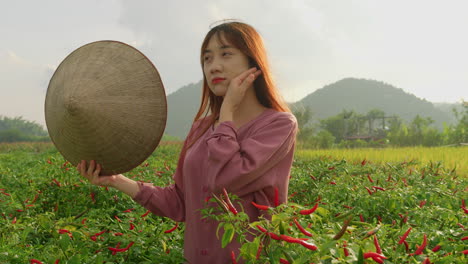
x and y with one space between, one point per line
71 105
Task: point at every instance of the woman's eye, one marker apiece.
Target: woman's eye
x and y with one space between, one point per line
226 54
206 58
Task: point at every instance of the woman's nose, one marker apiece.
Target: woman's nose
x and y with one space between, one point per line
216 66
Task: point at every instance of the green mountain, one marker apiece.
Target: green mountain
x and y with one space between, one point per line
360 95
182 105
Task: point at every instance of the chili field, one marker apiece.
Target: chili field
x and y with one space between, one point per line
353 207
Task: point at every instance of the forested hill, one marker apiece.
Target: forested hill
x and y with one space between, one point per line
182 105
360 95
363 95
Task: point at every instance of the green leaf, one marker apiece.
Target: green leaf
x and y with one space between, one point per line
360 257
228 235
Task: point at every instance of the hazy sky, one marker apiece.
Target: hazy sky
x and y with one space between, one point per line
417 45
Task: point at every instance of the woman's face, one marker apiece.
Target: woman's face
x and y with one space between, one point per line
222 62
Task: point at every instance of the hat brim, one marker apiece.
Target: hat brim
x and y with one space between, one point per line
106 102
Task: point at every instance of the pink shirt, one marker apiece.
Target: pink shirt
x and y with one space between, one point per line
249 162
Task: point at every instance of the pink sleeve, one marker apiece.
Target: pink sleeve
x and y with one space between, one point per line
166 201
235 164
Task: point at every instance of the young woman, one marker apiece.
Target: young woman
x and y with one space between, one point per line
242 139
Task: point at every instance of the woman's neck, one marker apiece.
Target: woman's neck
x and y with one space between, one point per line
249 108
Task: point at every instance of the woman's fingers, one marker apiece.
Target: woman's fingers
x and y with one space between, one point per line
82 167
92 166
248 77
246 74
97 171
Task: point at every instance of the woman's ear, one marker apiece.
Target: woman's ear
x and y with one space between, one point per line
253 63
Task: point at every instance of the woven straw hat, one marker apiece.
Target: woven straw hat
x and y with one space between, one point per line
106 102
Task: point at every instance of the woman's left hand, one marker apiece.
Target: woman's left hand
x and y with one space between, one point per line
237 88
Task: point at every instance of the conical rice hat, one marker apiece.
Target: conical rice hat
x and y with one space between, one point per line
106 102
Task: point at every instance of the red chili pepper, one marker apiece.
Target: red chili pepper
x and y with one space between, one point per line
378 188
305 232
118 219
83 221
406 246
276 202
172 229
121 249
63 231
465 209
232 209
118 234
374 255
259 251
132 226
345 249
283 261
261 228
290 239
465 252
94 237
56 182
115 252
378 260
166 166
145 214
233 258
260 207
128 210
57 261
369 191
426 261
229 203
377 246
274 236
436 248
405 235
422 203
420 249
308 245
361 218
370 179
363 162
309 211
100 233
35 261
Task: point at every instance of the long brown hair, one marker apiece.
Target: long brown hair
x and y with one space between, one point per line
245 38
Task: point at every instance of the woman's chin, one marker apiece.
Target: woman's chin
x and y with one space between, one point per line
219 91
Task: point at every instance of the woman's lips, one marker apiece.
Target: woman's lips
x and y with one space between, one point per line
217 80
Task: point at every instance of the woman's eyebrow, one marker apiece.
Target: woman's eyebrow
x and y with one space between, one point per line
221 48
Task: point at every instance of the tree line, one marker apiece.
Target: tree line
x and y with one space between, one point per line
347 129
375 128
17 129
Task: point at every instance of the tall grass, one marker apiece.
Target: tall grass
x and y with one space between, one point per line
450 157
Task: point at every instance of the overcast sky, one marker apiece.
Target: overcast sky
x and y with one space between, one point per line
417 45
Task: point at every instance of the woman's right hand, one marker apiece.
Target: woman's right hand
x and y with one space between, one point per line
92 173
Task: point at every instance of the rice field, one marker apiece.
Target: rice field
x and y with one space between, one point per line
449 157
